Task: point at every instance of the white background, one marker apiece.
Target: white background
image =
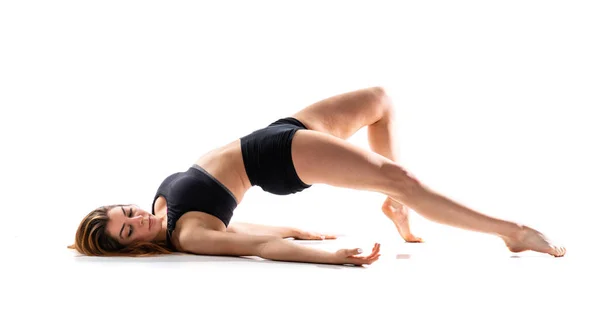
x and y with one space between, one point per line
496 105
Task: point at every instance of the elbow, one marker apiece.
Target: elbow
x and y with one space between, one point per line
191 248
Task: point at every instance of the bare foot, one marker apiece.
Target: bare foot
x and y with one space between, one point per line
398 214
530 239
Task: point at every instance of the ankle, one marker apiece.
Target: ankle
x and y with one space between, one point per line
515 232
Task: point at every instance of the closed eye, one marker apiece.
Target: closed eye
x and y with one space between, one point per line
130 227
126 215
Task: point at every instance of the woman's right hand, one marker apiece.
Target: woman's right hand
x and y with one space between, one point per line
351 256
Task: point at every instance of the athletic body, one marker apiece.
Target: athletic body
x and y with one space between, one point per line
192 209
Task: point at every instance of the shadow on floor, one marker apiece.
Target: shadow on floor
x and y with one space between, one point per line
402 256
192 258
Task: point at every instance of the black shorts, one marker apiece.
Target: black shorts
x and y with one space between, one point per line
267 155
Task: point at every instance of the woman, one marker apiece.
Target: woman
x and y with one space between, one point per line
191 210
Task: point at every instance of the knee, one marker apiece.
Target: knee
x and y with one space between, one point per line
382 101
400 184
378 91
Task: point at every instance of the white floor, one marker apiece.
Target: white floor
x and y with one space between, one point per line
433 282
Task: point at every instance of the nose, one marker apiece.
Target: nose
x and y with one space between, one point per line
137 220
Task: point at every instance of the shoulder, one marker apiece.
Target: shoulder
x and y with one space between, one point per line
193 226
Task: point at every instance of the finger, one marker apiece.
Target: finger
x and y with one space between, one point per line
371 257
353 252
376 252
299 235
375 249
361 261
371 261
316 236
320 236
375 257
308 236
348 253
364 258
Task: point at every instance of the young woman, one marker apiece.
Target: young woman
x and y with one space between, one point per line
192 209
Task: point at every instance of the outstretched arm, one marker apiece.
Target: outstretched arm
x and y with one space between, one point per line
282 232
198 240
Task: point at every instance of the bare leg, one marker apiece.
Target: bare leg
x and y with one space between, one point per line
343 115
322 158
382 140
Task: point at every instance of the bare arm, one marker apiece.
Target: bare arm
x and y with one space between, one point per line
198 240
282 232
257 229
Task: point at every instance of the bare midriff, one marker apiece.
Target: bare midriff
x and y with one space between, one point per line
227 166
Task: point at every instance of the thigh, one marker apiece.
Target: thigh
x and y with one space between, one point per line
326 159
344 114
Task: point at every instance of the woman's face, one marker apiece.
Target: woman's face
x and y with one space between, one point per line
128 224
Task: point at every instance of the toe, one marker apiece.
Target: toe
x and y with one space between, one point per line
414 239
558 251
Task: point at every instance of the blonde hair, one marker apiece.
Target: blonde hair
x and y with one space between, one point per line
92 238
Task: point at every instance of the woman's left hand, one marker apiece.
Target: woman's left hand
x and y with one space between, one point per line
307 235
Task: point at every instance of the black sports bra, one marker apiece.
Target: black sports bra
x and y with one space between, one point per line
195 190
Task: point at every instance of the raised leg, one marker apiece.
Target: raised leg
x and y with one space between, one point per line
343 115
382 140
322 158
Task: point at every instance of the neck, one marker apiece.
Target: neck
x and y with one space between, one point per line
162 235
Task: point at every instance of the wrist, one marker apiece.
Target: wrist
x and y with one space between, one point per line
326 257
334 258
